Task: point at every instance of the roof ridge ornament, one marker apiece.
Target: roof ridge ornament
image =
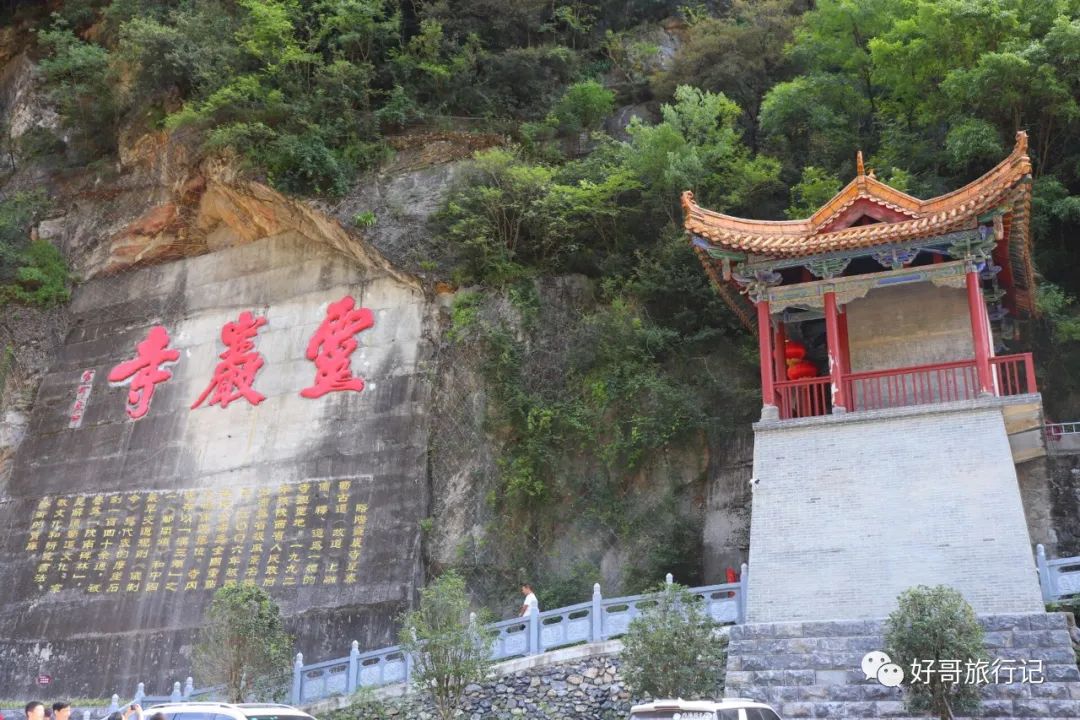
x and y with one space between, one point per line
860 170
1021 142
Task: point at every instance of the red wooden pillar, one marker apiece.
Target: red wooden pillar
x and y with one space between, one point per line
845 347
780 353
768 396
980 335
836 362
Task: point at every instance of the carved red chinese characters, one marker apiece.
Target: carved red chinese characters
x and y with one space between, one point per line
332 345
145 371
234 376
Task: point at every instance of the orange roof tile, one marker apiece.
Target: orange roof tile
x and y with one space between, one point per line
953 211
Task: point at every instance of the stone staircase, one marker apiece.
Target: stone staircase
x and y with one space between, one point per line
812 669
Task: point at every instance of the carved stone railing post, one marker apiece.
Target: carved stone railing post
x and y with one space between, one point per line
1046 578
744 584
297 678
534 631
597 617
354 668
176 695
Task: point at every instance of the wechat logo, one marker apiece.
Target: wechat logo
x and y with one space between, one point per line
877 665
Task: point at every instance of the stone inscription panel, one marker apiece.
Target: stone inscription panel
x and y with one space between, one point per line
173 541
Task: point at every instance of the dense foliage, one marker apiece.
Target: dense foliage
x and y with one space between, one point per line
31 271
756 106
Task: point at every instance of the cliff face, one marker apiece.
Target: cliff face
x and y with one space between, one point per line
116 531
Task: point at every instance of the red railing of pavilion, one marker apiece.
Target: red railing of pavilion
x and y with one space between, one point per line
804 398
900 387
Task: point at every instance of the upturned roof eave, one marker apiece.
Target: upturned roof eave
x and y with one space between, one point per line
798 238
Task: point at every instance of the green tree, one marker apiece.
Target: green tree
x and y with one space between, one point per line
448 650
243 644
583 106
816 187
671 650
740 54
697 147
80 82
935 624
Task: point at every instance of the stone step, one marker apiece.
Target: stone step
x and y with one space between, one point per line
745 670
875 628
994 641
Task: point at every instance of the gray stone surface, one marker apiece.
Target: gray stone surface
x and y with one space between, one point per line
906 326
97 641
813 679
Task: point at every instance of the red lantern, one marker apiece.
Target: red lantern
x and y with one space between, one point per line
794 350
802 369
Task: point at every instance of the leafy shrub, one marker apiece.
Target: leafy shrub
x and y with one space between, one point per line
243 643
671 649
935 623
448 651
33 273
41 278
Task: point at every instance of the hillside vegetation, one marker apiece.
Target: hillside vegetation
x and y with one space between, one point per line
756 106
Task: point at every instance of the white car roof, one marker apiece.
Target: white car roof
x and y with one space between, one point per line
699 705
245 708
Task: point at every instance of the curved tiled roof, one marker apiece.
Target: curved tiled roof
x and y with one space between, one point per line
953 211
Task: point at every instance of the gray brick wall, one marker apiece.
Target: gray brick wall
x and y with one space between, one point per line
848 511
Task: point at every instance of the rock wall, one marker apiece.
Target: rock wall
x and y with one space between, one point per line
1063 473
115 531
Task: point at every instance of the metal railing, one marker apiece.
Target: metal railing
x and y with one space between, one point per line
1060 578
903 387
1056 431
599 619
1062 438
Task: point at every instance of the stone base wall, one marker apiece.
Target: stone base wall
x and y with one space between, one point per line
581 682
851 510
812 669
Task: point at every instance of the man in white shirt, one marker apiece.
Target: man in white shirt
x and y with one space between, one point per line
530 600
